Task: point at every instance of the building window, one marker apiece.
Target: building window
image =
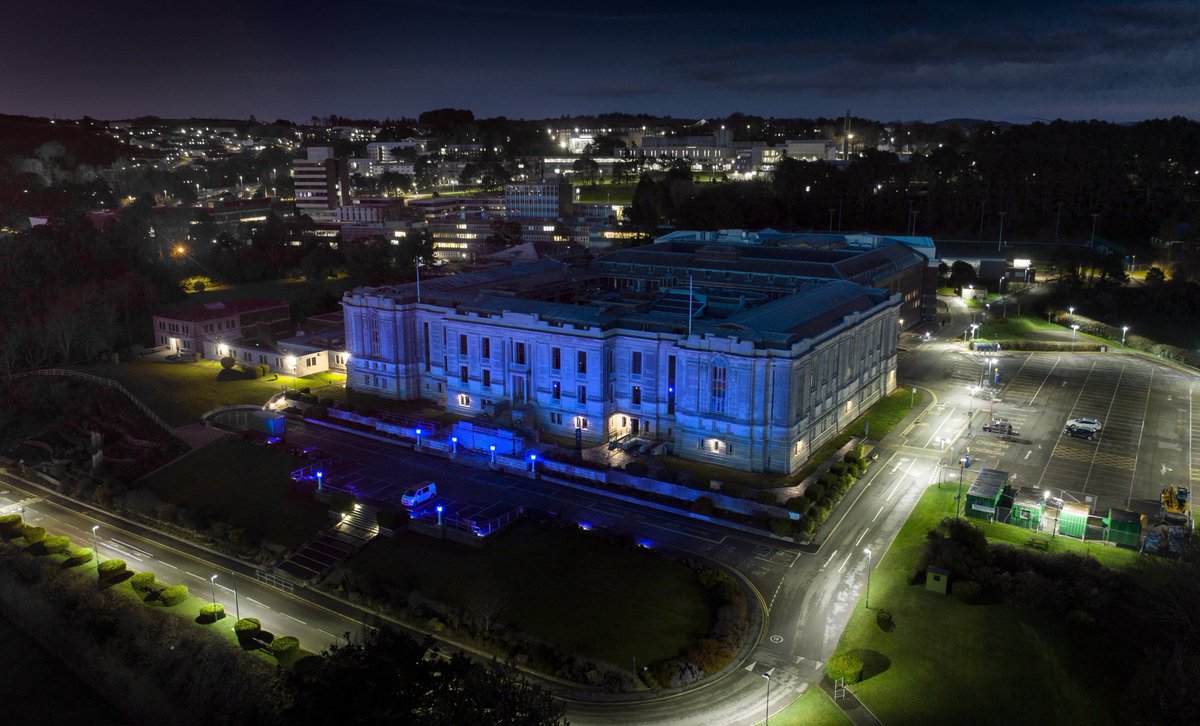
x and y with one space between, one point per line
581 362
556 359
581 395
487 348
581 422
519 353
635 395
729 449
487 378
426 326
635 363
462 345
556 418
464 399
462 373
556 390
719 378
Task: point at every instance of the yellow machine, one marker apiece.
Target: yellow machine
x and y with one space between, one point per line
1176 499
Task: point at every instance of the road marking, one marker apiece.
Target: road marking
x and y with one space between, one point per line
168 564
1027 453
141 552
864 534
829 560
298 620
256 602
319 630
877 514
193 575
846 562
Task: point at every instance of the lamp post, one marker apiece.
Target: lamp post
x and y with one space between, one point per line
213 581
1000 240
533 463
492 448
982 212
439 511
1092 241
912 397
974 327
1124 330
868 551
237 612
95 544
1070 314
767 718
320 479
1074 329
418 438
291 362
962 464
454 444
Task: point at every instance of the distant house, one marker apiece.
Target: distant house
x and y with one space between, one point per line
186 329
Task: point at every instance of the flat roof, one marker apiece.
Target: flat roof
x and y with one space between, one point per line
212 310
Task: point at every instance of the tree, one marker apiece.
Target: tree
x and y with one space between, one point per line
505 233
391 680
1155 276
586 168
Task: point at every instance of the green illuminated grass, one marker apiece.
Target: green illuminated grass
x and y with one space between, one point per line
564 587
978 664
814 708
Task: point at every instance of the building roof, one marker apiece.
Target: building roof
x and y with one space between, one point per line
213 310
1031 497
989 483
810 312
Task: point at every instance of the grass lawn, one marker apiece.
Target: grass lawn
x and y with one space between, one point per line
883 416
181 392
814 708
978 664
243 484
563 587
1016 328
289 289
610 193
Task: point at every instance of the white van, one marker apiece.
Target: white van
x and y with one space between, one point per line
419 494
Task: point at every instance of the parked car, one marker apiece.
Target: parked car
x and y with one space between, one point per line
998 426
1088 422
419 494
1082 431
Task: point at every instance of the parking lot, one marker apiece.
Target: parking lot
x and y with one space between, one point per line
1149 435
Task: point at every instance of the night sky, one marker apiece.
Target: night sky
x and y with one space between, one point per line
1010 61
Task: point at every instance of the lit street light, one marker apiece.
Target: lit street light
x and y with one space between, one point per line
1000 241
439 511
962 464
95 545
418 438
767 719
213 582
1074 329
1070 315
1124 330
454 443
237 612
868 551
533 463
493 450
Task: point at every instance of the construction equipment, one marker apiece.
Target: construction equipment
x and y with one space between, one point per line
1176 501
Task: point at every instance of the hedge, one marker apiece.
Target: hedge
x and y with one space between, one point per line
284 646
10 521
248 628
845 665
33 535
341 502
56 545
142 581
212 612
111 568
174 595
79 555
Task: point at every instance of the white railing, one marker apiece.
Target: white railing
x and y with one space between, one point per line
108 382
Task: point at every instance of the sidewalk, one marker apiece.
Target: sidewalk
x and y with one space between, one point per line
853 708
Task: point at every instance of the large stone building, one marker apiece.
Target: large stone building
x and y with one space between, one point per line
743 355
322 183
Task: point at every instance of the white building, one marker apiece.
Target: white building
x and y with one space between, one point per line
322 183
749 379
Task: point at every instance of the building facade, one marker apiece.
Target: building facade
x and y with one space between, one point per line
322 183
754 381
186 329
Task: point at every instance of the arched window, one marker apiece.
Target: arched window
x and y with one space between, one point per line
719 381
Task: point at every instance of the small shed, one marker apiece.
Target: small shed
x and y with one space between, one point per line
1028 509
1123 527
983 498
936 579
1073 519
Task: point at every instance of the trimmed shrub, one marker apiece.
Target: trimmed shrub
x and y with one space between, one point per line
212 612
967 590
341 502
33 535
845 665
815 493
110 569
174 595
56 545
10 521
79 555
248 628
781 527
142 581
227 362
798 505
284 646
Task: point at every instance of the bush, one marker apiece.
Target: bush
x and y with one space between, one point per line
142 581
79 555
781 527
967 591
56 545
341 502
174 595
703 505
226 362
212 612
767 497
10 521
799 505
33 535
636 468
284 646
110 569
1081 619
815 493
248 628
845 665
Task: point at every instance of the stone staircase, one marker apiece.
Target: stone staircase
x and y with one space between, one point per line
333 546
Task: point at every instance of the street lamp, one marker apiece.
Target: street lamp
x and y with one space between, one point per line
493 450
1070 315
1074 329
454 443
213 582
95 544
533 463
974 327
418 438
767 718
962 464
868 551
1000 241
237 611
1124 330
439 511
291 362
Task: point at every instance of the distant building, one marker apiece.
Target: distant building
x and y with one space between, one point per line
743 356
186 329
542 200
322 183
